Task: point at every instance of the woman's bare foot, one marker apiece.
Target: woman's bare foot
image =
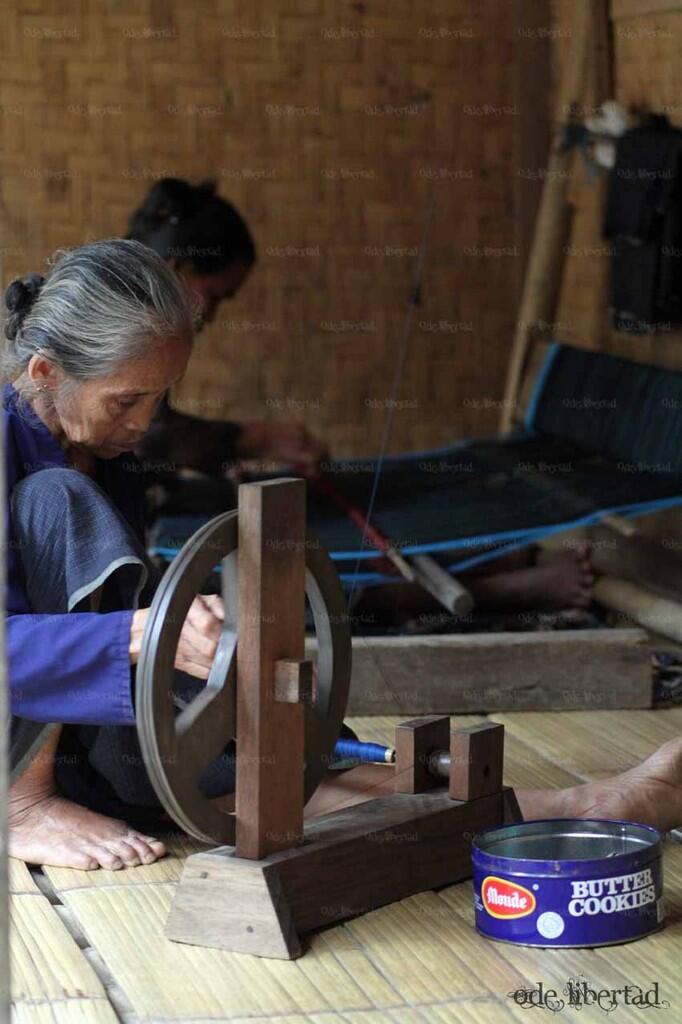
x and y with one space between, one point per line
555 582
650 793
61 833
45 828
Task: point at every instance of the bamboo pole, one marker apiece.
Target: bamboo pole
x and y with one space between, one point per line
552 226
659 614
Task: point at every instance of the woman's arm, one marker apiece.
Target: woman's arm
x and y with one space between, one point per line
73 668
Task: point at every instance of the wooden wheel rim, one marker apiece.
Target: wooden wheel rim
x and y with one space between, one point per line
175 748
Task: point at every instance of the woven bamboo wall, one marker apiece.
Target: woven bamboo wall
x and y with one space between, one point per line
327 123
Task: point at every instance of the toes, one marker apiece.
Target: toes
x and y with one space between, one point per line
82 860
157 846
147 849
105 857
125 850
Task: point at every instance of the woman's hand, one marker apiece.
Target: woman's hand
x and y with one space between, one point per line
283 442
198 638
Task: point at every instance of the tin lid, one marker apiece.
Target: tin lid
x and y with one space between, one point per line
566 846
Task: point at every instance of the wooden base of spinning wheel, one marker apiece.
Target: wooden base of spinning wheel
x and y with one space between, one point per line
281 879
351 861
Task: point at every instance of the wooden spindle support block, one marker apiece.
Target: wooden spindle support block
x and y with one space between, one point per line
414 741
476 760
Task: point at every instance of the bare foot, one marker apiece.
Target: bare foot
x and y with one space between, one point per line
650 793
59 832
45 828
556 582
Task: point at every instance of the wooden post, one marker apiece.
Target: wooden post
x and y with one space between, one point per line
270 718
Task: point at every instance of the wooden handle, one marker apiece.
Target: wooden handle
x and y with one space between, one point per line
444 587
658 614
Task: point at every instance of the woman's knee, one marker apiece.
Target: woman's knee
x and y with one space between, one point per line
58 483
45 501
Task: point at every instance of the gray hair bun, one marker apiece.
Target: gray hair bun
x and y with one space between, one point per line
19 298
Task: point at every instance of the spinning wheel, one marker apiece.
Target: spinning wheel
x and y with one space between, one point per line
178 747
271 877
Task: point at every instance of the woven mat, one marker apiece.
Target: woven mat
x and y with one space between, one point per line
418 960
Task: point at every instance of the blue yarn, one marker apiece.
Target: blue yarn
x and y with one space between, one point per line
358 751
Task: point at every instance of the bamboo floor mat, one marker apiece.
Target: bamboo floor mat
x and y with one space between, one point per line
89 946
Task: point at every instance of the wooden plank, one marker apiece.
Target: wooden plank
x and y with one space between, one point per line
500 671
271 559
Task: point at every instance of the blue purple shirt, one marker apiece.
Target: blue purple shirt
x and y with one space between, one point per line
73 667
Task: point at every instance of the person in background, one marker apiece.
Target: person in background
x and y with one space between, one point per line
209 246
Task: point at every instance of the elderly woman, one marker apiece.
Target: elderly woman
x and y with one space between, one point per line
91 351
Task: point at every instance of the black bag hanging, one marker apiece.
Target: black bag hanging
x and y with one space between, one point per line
643 221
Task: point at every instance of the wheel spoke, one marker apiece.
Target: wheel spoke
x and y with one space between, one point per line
208 723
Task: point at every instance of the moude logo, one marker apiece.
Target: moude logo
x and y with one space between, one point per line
506 899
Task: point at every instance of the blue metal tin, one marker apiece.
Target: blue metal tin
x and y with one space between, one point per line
568 882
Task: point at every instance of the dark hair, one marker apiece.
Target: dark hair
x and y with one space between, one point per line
19 297
192 224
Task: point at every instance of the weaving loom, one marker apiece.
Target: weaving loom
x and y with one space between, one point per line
601 436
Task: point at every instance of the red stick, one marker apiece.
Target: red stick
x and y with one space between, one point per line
376 537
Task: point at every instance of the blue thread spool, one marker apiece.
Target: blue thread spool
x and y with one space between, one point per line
568 882
349 753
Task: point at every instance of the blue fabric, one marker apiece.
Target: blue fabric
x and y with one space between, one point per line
73 667
616 408
601 436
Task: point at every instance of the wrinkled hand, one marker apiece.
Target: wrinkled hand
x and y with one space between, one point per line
198 638
284 442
